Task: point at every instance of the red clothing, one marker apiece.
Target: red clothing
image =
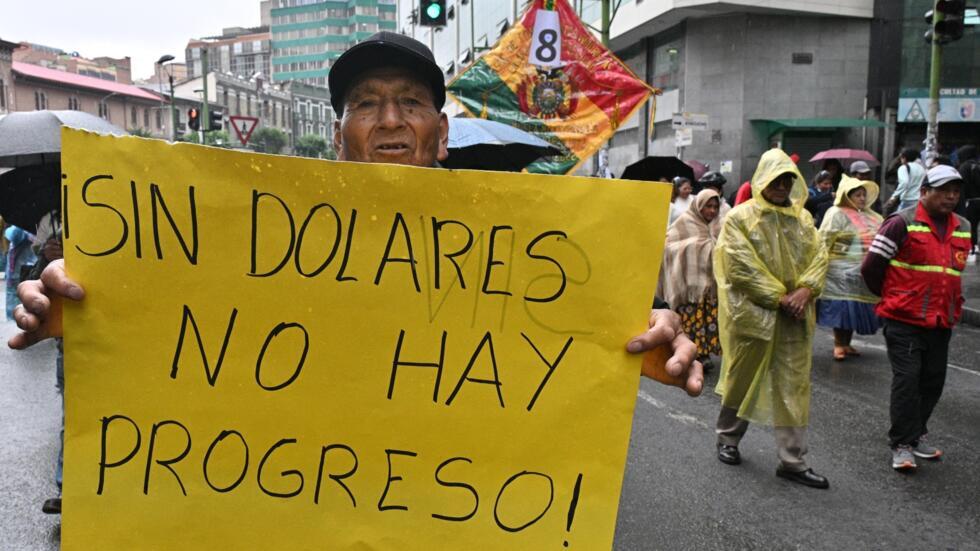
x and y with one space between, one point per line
744 193
916 270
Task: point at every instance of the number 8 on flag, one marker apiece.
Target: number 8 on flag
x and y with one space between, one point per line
546 41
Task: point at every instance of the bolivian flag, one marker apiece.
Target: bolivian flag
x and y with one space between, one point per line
549 76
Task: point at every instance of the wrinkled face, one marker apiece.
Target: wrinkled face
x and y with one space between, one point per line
684 190
777 192
825 185
940 201
390 117
710 209
859 197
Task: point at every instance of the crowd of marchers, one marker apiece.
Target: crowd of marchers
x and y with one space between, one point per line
751 281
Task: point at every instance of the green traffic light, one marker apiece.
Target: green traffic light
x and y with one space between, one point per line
433 11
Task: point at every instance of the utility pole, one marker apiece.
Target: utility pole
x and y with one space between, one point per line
173 111
605 22
932 129
205 116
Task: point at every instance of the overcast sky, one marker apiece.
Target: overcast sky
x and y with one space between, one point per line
140 29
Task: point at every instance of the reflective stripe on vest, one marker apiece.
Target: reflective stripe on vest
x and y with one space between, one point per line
919 228
925 268
964 234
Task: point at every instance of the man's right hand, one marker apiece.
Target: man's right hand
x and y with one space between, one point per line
35 316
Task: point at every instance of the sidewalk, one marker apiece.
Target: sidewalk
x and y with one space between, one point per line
971 292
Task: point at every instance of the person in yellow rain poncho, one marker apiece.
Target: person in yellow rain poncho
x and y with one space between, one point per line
769 264
846 304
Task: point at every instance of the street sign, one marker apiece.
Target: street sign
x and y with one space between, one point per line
683 137
694 121
243 126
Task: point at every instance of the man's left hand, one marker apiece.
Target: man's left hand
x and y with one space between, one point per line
665 329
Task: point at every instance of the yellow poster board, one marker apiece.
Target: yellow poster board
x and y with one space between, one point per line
285 353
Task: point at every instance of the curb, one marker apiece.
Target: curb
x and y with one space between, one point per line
970 316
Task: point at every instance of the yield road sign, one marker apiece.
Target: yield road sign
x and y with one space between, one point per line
243 126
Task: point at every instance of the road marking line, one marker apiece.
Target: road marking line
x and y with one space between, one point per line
671 412
876 346
872 345
965 370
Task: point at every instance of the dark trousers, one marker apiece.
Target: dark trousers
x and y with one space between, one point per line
918 357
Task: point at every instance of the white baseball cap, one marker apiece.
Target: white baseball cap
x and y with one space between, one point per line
940 175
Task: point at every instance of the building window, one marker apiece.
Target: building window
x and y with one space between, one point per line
72 103
3 95
667 65
159 119
104 110
40 100
132 115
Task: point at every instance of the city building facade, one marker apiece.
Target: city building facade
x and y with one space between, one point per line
795 76
238 51
312 113
127 106
472 28
6 75
105 68
959 81
308 35
237 96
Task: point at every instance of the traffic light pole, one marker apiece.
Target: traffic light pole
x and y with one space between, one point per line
173 112
932 128
205 116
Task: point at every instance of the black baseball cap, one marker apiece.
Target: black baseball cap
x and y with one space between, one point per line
385 49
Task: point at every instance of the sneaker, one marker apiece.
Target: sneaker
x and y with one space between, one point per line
902 458
925 451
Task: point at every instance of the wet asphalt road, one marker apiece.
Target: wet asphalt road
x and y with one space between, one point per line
676 495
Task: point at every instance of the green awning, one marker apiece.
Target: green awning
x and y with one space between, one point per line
768 127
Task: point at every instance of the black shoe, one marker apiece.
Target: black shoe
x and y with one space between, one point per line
729 455
52 506
806 478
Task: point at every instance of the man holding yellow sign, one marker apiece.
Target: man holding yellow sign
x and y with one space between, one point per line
456 372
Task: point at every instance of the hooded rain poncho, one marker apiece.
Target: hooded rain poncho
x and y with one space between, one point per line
764 252
847 233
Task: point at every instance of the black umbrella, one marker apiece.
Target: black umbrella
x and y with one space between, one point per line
34 137
658 168
488 145
28 193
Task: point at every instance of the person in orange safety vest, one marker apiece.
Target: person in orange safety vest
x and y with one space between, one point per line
914 263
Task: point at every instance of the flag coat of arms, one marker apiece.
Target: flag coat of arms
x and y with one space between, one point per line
549 76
